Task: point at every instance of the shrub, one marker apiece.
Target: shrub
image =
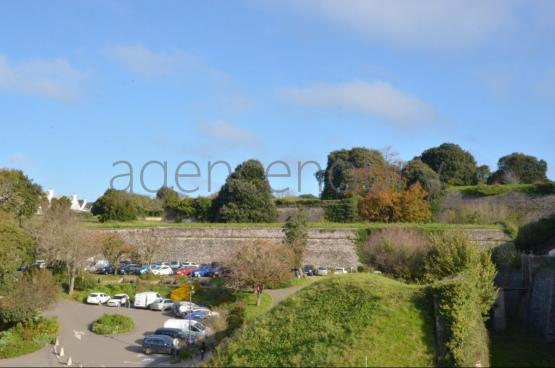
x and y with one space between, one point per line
381 206
481 213
344 210
399 252
184 291
533 236
452 253
465 338
112 324
28 336
85 282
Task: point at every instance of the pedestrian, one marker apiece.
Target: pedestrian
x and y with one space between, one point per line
202 350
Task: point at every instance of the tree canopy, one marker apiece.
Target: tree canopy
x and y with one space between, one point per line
119 205
416 171
454 165
18 194
246 196
519 168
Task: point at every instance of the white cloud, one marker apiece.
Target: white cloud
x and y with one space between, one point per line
430 23
147 63
378 99
19 159
54 79
225 132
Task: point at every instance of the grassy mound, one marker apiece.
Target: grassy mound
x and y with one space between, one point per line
347 320
112 324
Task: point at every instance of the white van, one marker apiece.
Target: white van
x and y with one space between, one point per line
197 328
143 300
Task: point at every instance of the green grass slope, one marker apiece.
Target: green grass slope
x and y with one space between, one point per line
345 320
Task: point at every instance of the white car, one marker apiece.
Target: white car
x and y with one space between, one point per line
179 309
189 264
161 304
340 271
118 300
323 271
162 270
98 298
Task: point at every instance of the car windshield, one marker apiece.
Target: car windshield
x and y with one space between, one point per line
119 297
94 295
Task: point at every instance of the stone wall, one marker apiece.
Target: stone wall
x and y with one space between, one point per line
326 247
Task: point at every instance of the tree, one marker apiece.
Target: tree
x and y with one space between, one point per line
296 237
168 197
150 246
382 206
117 205
62 238
16 248
338 179
114 248
413 206
482 174
416 171
246 196
183 293
260 264
18 194
454 165
525 169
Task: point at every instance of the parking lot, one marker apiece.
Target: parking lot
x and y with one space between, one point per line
88 349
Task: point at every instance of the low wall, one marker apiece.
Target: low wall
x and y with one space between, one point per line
326 247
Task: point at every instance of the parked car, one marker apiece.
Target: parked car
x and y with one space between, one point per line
118 300
174 333
105 270
323 271
204 271
161 304
179 309
162 270
185 271
340 271
175 265
189 264
199 314
309 270
97 298
159 344
185 325
143 300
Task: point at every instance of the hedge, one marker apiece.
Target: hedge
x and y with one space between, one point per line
497 189
464 335
344 210
112 324
533 236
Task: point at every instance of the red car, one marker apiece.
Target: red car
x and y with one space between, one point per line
185 271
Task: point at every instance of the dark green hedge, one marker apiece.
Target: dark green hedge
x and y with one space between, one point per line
344 210
497 189
532 237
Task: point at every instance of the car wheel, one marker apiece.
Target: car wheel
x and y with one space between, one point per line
148 351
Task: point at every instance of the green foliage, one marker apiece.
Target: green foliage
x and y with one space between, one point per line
338 177
16 247
416 171
27 337
520 168
112 324
30 294
452 253
168 197
19 196
202 209
497 189
296 236
117 205
454 165
533 236
340 321
344 210
465 338
246 196
299 201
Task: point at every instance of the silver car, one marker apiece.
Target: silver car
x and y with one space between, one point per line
161 304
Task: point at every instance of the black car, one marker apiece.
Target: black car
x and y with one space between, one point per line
309 270
159 344
107 270
174 333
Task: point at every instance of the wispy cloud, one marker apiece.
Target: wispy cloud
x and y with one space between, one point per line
148 63
430 23
378 99
228 133
49 78
19 159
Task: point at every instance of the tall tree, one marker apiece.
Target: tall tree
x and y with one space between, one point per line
16 248
114 249
260 264
246 196
150 246
296 237
454 165
519 168
168 197
62 238
416 171
18 194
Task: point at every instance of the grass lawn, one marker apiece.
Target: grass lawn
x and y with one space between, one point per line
348 320
516 348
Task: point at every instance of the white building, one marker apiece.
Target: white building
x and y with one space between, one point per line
77 205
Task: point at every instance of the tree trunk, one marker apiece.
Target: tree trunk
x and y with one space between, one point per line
71 286
258 298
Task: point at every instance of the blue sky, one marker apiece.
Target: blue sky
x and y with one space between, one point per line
86 84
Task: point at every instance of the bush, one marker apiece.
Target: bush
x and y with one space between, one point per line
465 338
85 282
398 252
28 336
532 237
453 253
345 210
112 325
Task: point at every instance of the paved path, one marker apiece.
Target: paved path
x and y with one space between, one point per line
89 349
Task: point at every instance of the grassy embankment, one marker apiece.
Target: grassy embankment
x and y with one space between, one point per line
348 320
492 190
